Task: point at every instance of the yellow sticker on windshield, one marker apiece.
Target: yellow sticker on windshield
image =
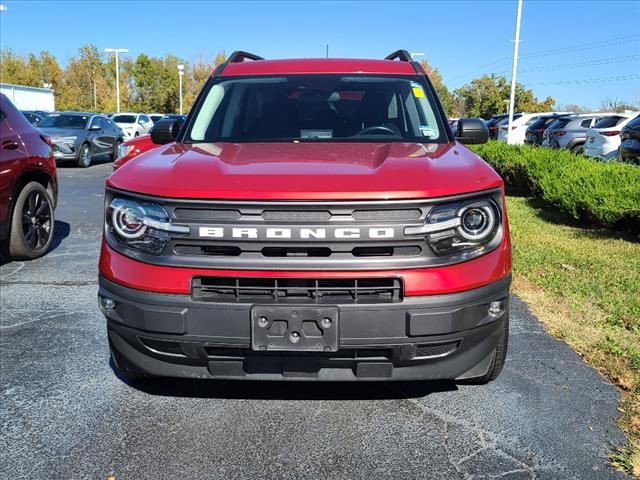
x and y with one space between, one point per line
418 92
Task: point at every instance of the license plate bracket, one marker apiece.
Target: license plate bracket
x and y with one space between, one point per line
293 328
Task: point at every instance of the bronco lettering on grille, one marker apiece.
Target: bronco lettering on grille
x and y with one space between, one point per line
296 233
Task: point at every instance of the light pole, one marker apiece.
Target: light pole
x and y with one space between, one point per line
180 74
117 51
512 98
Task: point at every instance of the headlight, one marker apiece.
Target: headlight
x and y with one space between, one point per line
70 141
461 227
124 150
140 225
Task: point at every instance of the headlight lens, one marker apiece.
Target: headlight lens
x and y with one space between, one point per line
460 227
140 225
477 222
124 150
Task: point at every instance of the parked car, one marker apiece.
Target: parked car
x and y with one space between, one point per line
135 146
493 124
28 185
570 132
33 117
453 123
559 122
81 136
519 126
132 148
333 230
133 124
155 117
535 130
603 139
630 142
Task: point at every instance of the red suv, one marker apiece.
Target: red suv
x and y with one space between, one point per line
28 185
313 219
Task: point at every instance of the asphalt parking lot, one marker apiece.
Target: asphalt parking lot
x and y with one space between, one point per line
65 414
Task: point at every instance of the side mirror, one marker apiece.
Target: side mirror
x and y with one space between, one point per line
472 131
95 127
165 131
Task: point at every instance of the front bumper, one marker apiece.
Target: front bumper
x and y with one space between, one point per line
450 336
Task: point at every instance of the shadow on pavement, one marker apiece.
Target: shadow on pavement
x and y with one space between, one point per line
60 232
295 390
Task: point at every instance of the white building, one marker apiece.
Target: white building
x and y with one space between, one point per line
29 98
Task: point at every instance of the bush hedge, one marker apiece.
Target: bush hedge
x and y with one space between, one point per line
592 191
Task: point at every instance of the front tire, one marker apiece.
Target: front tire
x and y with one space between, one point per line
32 223
124 368
84 156
498 359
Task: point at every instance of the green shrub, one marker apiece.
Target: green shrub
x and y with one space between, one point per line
604 193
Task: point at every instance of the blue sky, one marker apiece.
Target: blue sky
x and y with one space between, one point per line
463 39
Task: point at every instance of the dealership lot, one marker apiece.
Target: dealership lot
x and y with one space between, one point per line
65 414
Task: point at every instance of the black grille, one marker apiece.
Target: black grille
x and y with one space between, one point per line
205 214
386 215
296 216
296 290
342 354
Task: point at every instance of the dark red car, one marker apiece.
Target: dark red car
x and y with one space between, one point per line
132 148
28 185
314 219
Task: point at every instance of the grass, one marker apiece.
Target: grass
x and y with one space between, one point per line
584 285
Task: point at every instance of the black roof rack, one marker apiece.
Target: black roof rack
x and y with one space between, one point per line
240 56
236 57
401 55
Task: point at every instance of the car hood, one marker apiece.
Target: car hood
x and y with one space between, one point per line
306 171
54 133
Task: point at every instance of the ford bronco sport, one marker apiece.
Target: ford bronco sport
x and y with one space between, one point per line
313 219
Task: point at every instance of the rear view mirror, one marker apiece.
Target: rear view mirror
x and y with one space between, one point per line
472 131
165 131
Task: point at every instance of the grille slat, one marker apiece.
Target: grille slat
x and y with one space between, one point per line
273 290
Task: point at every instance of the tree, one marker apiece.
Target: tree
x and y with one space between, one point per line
614 105
489 95
484 96
32 71
84 86
572 107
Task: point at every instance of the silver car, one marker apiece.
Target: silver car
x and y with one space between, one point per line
81 136
570 132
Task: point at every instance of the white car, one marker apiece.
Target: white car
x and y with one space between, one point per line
603 139
519 126
133 124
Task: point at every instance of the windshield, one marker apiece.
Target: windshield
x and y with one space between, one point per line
317 108
64 121
124 118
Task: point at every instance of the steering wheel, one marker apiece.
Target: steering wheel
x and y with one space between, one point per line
379 128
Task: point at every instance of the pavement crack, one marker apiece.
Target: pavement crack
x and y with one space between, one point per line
39 319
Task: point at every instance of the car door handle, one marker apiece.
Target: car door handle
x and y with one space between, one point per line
10 145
